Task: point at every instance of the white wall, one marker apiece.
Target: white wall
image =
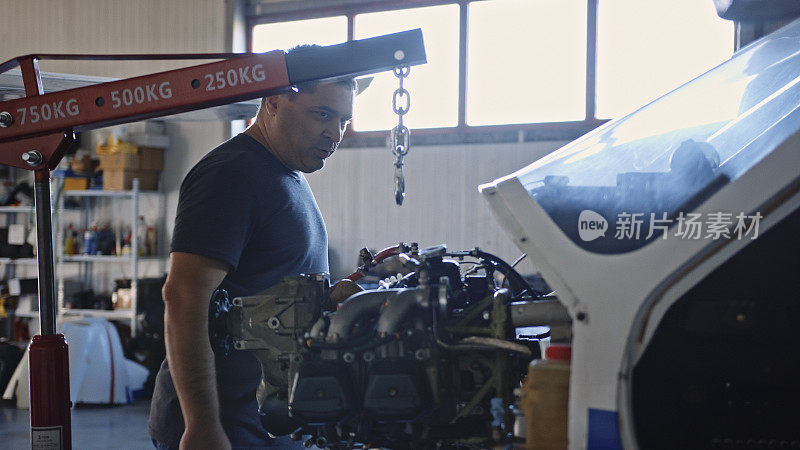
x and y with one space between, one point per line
125 26
110 26
355 191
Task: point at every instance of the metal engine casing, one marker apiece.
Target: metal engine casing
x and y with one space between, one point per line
270 325
434 362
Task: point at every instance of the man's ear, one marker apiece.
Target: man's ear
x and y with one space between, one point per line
272 104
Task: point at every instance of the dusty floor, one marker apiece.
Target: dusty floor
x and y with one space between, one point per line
95 427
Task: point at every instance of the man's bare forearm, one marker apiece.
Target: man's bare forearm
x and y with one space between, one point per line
191 363
187 292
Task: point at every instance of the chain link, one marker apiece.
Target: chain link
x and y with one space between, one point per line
401 135
400 140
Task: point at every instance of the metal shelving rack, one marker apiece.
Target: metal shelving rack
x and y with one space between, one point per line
12 86
133 258
9 265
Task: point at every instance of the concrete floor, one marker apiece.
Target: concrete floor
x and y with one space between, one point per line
95 427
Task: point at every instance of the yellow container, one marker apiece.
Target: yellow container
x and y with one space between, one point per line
76 183
544 400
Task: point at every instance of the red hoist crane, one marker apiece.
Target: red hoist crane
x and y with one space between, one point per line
37 129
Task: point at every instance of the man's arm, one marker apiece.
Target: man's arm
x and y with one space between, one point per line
190 283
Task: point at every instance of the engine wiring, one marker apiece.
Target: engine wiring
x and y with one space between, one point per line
490 262
518 260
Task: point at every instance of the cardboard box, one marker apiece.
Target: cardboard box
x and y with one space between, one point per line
76 183
122 179
147 158
145 127
122 298
85 165
149 140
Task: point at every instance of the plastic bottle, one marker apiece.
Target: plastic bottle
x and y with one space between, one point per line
544 400
126 241
151 244
89 241
69 242
141 235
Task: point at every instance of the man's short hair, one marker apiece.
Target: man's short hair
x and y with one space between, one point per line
311 86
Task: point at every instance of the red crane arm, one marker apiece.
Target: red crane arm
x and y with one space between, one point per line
25 120
158 94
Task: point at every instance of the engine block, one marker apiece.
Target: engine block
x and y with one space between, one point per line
430 358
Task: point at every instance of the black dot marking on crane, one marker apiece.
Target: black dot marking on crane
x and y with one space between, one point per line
195 83
99 101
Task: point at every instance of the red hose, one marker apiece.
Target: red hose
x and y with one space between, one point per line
383 254
355 276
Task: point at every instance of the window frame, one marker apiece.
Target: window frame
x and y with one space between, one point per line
462 132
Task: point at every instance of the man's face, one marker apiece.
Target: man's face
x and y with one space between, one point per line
308 128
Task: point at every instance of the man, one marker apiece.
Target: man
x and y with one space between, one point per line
246 218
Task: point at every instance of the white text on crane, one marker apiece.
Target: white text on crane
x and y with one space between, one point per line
140 94
55 110
233 77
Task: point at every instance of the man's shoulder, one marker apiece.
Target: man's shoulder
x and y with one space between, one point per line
241 149
240 164
240 157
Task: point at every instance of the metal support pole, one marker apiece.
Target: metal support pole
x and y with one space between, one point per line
48 353
44 254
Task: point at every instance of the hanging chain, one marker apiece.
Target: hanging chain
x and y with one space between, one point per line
401 103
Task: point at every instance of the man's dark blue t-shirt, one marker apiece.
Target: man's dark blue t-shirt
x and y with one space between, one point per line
242 206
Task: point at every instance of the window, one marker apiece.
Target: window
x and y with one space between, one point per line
645 50
526 61
285 35
433 86
552 69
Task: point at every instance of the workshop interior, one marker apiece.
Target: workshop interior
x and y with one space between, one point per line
573 224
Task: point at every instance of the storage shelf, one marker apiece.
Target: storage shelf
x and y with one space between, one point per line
88 263
106 258
107 194
18 261
113 314
17 209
